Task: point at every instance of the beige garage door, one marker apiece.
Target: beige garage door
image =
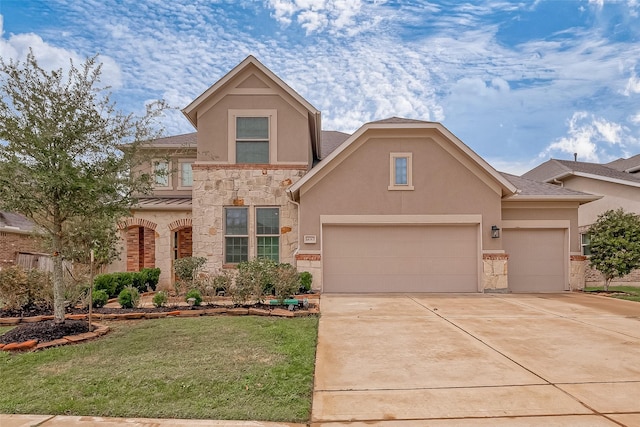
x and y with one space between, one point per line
400 258
537 259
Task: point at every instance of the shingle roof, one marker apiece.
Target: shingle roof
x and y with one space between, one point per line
331 139
625 164
554 168
187 140
400 120
14 220
529 187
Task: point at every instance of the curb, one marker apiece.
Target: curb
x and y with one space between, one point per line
33 345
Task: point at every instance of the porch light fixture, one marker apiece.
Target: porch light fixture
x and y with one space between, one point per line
495 232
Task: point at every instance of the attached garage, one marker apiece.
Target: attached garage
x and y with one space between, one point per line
400 258
538 259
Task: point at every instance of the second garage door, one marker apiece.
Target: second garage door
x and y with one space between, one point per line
386 258
537 259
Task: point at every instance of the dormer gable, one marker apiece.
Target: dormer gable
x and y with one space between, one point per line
251 116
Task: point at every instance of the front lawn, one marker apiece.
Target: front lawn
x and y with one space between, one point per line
243 368
630 293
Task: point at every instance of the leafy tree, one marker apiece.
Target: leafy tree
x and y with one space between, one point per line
615 244
66 156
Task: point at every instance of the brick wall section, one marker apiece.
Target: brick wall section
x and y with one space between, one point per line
149 248
594 278
12 243
133 249
141 243
185 244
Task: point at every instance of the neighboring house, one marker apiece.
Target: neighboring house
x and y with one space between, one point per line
16 238
399 206
618 184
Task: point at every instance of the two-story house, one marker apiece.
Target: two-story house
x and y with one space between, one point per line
399 206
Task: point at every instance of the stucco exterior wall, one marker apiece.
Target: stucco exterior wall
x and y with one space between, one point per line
216 188
359 186
615 196
537 211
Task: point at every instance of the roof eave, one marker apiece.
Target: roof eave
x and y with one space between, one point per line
552 198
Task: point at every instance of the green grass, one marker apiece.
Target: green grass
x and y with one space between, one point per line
630 293
244 368
5 329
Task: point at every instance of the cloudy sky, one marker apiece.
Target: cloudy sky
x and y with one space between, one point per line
519 82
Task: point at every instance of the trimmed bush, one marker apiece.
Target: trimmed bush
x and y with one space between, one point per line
21 289
100 298
114 283
129 297
306 279
160 299
195 294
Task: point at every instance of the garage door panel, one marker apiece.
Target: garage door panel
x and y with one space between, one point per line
537 259
400 258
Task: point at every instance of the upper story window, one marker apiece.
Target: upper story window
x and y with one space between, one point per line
186 173
401 171
161 174
252 140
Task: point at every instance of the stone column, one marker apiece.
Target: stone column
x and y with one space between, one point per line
494 272
577 273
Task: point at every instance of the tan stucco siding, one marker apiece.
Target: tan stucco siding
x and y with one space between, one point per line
174 156
615 196
546 211
359 186
293 137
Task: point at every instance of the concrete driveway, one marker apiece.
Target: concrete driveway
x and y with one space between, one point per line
477 360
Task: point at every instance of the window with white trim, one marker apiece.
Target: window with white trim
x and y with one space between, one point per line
186 173
585 243
268 233
236 235
252 140
161 173
400 171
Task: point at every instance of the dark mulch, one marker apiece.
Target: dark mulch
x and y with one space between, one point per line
44 331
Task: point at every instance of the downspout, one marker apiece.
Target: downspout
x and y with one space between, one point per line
290 199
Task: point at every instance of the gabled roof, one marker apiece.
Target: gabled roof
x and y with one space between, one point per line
331 139
190 110
632 164
555 169
397 123
529 190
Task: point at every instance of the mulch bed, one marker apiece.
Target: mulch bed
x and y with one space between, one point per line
44 331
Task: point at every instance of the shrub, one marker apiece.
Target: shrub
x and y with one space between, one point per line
306 279
100 298
160 299
21 289
107 283
286 282
152 277
222 282
195 294
129 297
256 278
187 268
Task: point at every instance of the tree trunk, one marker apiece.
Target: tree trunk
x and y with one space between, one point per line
58 278
607 280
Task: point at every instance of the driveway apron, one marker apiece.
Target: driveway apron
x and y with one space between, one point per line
485 360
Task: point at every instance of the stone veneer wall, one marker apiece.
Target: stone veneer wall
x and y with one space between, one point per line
577 266
311 263
219 186
494 272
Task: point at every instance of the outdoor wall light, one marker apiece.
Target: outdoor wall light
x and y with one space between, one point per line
495 232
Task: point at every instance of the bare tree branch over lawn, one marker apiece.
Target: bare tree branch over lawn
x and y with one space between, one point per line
62 161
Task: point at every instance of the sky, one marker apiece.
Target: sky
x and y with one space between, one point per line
518 82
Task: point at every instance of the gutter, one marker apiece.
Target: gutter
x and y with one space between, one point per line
290 199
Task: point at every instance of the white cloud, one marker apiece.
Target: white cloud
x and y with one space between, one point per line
633 85
50 57
591 138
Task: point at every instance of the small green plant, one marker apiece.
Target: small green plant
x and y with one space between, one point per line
160 299
100 298
195 294
306 279
286 282
129 297
187 269
21 289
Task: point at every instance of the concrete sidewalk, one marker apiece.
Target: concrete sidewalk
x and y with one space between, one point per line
477 360
66 421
